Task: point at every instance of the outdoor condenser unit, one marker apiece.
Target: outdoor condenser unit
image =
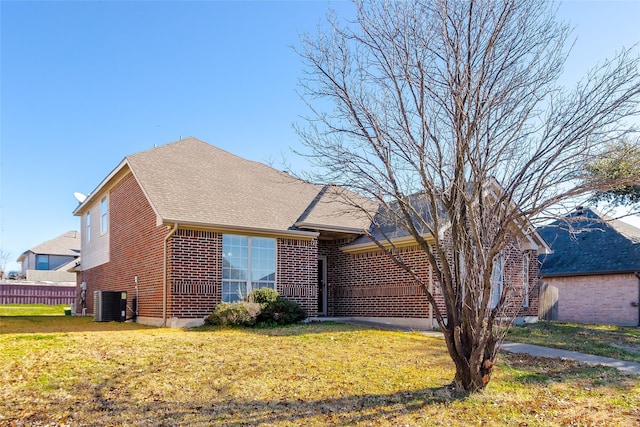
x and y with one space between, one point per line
109 306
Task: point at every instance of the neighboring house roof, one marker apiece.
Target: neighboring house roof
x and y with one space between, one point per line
194 183
67 244
586 242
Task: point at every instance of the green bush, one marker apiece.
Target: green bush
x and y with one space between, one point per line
234 314
281 312
263 296
263 306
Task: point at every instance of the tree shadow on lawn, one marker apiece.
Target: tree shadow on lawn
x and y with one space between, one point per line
103 409
109 404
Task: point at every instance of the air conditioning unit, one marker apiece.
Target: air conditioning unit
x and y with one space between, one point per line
109 306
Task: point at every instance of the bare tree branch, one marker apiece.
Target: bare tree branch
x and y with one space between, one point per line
449 115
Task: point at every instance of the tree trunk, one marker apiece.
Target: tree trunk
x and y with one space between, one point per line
472 373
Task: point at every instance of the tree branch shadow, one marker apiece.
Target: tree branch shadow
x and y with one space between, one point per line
106 409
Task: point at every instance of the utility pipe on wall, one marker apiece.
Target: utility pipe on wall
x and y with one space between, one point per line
637 274
164 274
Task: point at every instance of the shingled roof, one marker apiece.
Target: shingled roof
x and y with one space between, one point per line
191 182
586 242
66 244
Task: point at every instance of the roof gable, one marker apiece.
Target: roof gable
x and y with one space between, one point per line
589 243
193 183
190 181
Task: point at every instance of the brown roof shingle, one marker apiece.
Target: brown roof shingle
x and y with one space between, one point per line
194 183
190 181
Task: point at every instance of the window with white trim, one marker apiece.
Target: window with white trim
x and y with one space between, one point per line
496 282
104 215
88 224
248 263
525 280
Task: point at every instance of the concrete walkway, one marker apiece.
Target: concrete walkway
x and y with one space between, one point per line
589 359
512 347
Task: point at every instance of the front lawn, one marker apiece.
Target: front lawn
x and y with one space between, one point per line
618 342
72 371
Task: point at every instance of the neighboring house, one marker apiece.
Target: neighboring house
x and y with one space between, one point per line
184 226
49 261
595 265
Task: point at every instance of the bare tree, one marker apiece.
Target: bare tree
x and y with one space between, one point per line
4 259
449 115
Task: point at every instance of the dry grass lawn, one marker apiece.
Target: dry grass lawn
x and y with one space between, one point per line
72 371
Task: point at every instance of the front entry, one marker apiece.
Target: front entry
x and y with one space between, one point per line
322 286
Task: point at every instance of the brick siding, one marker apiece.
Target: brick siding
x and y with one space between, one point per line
298 272
604 299
195 273
136 249
371 285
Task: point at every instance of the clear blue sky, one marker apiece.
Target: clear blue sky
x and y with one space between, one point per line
85 83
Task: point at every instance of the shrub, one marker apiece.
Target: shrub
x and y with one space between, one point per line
234 314
263 296
282 312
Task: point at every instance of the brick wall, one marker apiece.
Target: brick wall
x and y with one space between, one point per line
298 272
603 299
136 249
371 285
195 273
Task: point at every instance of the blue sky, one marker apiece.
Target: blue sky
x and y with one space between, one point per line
85 83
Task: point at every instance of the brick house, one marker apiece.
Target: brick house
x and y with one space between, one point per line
595 265
184 226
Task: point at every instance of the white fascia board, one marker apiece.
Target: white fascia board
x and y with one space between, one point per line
400 242
333 228
98 190
253 231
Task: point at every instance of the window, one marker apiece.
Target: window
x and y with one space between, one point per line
104 216
42 262
525 280
88 233
496 282
247 263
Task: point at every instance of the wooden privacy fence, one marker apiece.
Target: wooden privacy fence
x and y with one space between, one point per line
548 302
13 293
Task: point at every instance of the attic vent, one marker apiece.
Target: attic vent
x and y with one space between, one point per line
580 210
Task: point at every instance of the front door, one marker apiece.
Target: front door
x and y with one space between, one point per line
322 286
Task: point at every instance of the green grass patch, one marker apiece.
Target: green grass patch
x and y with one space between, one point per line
115 374
33 310
618 342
